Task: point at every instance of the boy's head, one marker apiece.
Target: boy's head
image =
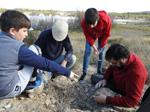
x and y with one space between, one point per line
60 30
91 16
15 23
13 19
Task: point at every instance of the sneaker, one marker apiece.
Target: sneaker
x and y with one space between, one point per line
95 78
54 75
82 78
36 88
99 73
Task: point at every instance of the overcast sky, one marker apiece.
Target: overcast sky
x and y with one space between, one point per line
74 5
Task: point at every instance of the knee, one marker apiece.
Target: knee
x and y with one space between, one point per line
36 49
74 58
88 52
96 78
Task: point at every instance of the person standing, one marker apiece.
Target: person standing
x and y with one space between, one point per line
95 25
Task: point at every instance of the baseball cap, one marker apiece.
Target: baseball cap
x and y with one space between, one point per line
60 30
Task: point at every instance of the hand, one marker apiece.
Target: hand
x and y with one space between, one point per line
73 76
40 70
99 50
64 62
95 50
101 83
101 98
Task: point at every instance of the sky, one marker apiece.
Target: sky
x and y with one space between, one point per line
80 5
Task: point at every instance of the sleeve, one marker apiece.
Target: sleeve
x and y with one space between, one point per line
68 49
106 32
109 73
89 38
28 57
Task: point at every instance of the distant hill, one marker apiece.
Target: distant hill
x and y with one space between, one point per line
142 12
145 12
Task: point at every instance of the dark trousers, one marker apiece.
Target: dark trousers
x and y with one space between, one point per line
96 78
145 105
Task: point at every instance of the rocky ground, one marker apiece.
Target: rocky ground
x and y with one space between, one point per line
62 95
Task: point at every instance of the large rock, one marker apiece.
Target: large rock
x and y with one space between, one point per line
105 91
63 82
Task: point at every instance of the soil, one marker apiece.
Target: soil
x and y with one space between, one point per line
62 95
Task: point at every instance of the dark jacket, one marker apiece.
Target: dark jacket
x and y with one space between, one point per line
52 49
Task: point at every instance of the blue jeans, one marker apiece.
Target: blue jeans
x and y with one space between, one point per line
59 61
69 64
87 53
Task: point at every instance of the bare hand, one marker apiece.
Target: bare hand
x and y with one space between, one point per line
101 98
99 50
73 76
64 63
95 50
101 83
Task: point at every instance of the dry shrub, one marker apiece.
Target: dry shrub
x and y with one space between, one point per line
76 23
114 40
141 48
32 36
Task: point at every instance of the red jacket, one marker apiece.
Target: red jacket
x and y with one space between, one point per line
130 81
102 29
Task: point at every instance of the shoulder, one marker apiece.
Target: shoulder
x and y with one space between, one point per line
104 16
136 64
46 32
83 21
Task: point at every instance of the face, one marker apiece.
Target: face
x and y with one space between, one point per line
94 25
118 64
21 34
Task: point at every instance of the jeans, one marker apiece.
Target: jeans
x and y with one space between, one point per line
69 64
59 61
87 53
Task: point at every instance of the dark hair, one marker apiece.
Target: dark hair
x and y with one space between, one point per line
91 15
13 19
117 51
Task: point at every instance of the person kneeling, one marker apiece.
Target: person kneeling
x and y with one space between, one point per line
125 75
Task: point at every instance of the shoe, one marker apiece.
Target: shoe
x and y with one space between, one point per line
95 78
37 87
100 73
82 78
54 75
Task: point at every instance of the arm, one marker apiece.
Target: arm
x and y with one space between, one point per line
28 57
133 90
87 31
64 63
106 33
69 51
109 73
89 37
96 51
